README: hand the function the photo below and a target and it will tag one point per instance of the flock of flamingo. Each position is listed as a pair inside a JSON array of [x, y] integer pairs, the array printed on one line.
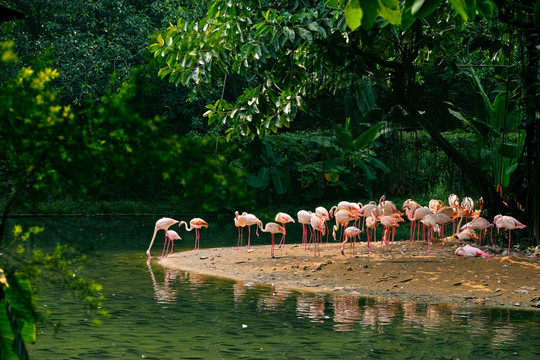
[[365, 218]]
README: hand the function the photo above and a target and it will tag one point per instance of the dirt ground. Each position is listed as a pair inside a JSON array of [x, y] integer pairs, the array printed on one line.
[[402, 270]]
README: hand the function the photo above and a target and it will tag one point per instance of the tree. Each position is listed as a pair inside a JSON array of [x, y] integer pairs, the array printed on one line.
[[287, 51]]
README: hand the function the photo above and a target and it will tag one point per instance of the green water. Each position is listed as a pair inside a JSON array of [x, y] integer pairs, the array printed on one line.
[[162, 314]]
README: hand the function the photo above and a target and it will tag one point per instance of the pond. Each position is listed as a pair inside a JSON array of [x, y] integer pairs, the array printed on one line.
[[161, 314]]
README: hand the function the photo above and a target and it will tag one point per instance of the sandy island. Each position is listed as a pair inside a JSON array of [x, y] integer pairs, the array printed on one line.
[[403, 271]]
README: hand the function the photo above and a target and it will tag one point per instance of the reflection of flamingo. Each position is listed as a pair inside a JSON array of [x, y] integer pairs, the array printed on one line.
[[171, 236], [304, 218], [350, 233], [161, 224], [319, 229], [195, 223], [240, 223], [273, 228], [252, 220], [283, 218], [509, 223]]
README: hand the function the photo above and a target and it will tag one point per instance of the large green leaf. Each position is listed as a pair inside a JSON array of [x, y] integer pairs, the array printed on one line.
[[370, 9], [278, 179], [343, 137], [423, 8], [367, 136], [353, 14], [259, 181], [390, 10]]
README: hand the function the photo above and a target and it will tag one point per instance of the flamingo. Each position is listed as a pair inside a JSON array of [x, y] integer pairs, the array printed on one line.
[[465, 235], [350, 233], [323, 213], [429, 221], [171, 236], [240, 223], [418, 215], [451, 213], [304, 218], [410, 207], [343, 217], [162, 224], [387, 207], [365, 211], [345, 205], [481, 224], [195, 223], [435, 205], [388, 222], [442, 220], [319, 229], [273, 228], [453, 201], [469, 250], [283, 218], [252, 220], [371, 223], [509, 223]]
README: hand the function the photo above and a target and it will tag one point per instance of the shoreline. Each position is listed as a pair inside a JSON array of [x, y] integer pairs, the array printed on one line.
[[402, 271]]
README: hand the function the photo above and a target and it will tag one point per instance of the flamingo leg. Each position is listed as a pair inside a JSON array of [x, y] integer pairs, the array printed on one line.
[[509, 241], [272, 248], [282, 242], [249, 237], [165, 244]]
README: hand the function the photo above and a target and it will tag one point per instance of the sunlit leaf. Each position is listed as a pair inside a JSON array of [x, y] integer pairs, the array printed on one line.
[[353, 14]]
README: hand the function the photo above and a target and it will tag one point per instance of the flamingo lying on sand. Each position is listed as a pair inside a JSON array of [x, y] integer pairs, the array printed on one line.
[[195, 223], [161, 224]]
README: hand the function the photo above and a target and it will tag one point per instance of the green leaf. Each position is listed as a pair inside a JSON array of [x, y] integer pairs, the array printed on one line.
[[370, 9], [423, 8], [367, 137], [259, 181], [390, 10], [353, 14], [463, 9], [485, 8], [343, 137], [278, 179]]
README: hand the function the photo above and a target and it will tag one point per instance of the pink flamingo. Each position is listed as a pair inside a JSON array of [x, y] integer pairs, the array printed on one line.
[[429, 221], [171, 236], [365, 211], [509, 223], [195, 223], [161, 224], [319, 229], [304, 218], [252, 220], [273, 228], [350, 233], [283, 218], [371, 223], [345, 205], [323, 213], [389, 222], [240, 223], [469, 250], [481, 224], [343, 217]]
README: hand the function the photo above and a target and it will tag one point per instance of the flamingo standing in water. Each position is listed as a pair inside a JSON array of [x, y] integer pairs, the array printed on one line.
[[240, 223], [195, 223], [162, 224], [319, 229], [509, 223], [171, 236], [304, 218], [273, 228], [350, 233], [283, 218]]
